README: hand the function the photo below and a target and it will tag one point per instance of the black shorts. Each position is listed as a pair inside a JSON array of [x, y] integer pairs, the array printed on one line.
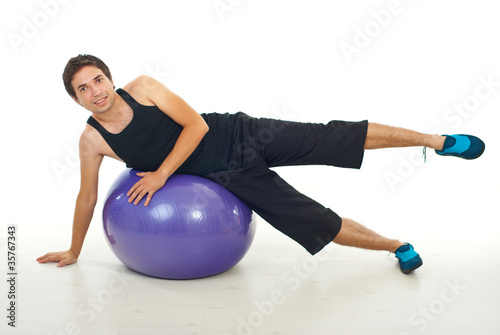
[[259, 144]]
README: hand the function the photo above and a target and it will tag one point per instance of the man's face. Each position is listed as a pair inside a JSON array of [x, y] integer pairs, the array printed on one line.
[[93, 89]]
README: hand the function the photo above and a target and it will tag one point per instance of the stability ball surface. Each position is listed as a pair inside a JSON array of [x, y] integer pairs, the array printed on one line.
[[192, 228]]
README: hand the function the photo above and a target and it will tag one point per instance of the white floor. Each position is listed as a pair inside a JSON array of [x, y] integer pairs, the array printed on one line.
[[278, 288]]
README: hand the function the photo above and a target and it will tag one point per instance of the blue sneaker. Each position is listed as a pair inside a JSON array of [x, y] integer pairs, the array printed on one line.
[[463, 146], [408, 258]]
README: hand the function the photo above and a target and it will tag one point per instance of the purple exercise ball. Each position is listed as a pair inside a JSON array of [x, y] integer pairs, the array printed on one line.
[[192, 228]]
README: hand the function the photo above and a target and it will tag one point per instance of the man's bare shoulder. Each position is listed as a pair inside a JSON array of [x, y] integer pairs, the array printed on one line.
[[90, 141], [142, 88]]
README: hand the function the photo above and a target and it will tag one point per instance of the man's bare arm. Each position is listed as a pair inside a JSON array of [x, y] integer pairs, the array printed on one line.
[[194, 129], [90, 162]]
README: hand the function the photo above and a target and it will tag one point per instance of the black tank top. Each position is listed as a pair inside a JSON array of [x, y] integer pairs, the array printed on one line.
[[151, 135]]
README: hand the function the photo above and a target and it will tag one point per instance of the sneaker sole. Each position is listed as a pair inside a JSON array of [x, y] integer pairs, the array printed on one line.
[[408, 271]]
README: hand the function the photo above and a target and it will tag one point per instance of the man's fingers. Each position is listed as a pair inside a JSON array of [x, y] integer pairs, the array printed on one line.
[[134, 192], [48, 258], [64, 262], [133, 188], [63, 258], [148, 199], [140, 189], [53, 258], [139, 197], [136, 195], [41, 258]]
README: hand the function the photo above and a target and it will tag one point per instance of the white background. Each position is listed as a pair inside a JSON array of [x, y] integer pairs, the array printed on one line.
[[273, 59]]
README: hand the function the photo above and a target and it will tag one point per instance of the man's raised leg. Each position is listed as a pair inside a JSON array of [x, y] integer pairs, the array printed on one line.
[[382, 136], [464, 146]]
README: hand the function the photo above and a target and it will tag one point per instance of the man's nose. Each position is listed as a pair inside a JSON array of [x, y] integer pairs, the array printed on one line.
[[96, 91]]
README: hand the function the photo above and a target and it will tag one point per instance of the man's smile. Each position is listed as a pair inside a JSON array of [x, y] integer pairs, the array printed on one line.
[[101, 101]]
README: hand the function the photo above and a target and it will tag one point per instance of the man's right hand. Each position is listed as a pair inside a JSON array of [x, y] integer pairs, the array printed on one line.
[[63, 258]]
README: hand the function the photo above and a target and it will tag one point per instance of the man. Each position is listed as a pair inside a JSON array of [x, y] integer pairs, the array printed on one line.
[[153, 130]]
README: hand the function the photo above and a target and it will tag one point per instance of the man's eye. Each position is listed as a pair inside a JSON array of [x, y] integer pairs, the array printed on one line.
[[99, 80], [83, 89]]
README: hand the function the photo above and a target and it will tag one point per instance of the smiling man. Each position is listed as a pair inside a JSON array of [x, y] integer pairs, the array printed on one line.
[[151, 129]]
